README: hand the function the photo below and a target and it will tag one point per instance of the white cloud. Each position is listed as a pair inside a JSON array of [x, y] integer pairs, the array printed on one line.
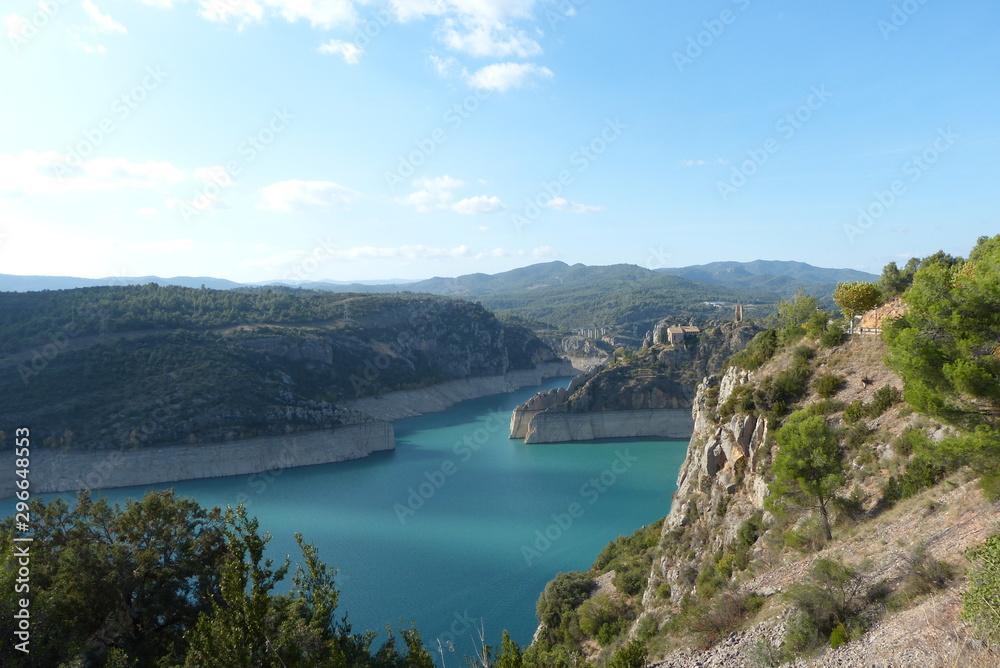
[[321, 14], [504, 76], [81, 37], [43, 172], [436, 194], [446, 67], [298, 195], [102, 22], [561, 204], [487, 41], [478, 205], [349, 51], [433, 193]]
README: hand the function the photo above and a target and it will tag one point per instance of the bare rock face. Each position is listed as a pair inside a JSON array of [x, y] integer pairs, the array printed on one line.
[[894, 309], [721, 469]]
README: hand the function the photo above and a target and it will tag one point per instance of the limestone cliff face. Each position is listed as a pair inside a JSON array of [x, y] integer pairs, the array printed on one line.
[[722, 470], [68, 471], [648, 393]]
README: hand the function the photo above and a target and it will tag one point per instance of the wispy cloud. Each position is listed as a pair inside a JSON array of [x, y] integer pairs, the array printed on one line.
[[298, 195], [349, 51], [561, 204], [502, 77]]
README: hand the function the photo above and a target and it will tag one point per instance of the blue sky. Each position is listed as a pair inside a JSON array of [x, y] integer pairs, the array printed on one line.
[[365, 139]]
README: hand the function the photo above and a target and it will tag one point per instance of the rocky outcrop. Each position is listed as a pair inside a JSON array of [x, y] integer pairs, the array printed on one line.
[[67, 471], [440, 397], [889, 311], [560, 427], [542, 401], [722, 470]]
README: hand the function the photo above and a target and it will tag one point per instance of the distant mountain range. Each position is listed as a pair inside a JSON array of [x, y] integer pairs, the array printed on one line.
[[556, 293], [766, 270]]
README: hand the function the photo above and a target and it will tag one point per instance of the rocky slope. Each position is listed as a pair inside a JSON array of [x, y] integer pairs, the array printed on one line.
[[190, 366], [723, 489], [646, 393]]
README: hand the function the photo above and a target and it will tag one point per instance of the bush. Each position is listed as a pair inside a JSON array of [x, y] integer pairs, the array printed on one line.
[[603, 618], [854, 412], [981, 600], [910, 441], [632, 581], [760, 349], [828, 385], [839, 636], [802, 354], [833, 336], [885, 397], [723, 615], [558, 602], [632, 655], [832, 595], [920, 474], [924, 575]]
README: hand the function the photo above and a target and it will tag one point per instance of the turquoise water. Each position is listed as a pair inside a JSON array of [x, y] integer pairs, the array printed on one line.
[[459, 525]]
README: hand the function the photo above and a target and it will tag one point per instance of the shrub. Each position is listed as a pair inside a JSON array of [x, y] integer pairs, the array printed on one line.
[[839, 636], [981, 600], [632, 655], [920, 474], [760, 349], [885, 397], [559, 599], [802, 354], [909, 441], [854, 412], [833, 336], [858, 435], [832, 595], [632, 581], [924, 575], [828, 385], [663, 591], [724, 614], [791, 334], [602, 618]]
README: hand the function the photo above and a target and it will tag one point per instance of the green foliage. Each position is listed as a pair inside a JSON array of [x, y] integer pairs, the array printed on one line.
[[557, 605], [713, 619], [833, 336], [857, 297], [831, 596], [924, 575], [884, 398], [798, 310], [945, 348], [910, 441], [921, 473], [164, 582], [895, 281], [633, 580], [602, 618], [760, 349], [981, 600], [828, 385], [632, 655], [809, 463], [839, 636]]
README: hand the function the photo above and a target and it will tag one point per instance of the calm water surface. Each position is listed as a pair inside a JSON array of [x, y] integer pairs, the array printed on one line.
[[459, 524]]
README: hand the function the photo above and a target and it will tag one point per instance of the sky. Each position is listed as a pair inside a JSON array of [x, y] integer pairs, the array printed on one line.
[[257, 140]]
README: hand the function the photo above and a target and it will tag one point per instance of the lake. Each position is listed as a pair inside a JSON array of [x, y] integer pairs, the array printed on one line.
[[459, 526]]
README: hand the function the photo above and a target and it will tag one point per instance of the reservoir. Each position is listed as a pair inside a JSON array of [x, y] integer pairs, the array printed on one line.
[[459, 526]]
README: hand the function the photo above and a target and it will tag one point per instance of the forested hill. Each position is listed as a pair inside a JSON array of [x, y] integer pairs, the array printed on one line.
[[142, 365]]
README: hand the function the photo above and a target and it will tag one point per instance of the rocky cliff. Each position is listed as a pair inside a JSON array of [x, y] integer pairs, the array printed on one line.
[[65, 471], [647, 393]]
